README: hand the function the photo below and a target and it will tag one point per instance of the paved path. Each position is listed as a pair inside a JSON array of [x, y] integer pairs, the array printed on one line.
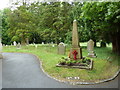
[[22, 71]]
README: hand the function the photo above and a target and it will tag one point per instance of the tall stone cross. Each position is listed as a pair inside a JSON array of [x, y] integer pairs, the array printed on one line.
[[75, 52]]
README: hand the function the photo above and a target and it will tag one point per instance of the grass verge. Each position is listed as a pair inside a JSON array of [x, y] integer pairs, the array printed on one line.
[[105, 65]]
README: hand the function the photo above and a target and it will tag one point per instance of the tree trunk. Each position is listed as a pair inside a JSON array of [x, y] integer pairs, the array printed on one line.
[[27, 41], [116, 42], [23, 41], [95, 43], [57, 41]]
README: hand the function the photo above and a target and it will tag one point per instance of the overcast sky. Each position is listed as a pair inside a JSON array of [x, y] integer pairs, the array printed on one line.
[[5, 3]]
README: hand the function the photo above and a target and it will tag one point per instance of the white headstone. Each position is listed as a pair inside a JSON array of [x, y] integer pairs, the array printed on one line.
[[36, 46], [14, 43], [53, 45], [42, 43]]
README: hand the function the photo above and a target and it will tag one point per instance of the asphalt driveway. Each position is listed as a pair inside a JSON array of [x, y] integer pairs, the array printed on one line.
[[21, 70]]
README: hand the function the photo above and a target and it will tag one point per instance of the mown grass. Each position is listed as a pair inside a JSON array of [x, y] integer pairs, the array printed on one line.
[[105, 65]]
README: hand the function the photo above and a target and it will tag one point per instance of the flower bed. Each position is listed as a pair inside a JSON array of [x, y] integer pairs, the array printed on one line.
[[84, 63]]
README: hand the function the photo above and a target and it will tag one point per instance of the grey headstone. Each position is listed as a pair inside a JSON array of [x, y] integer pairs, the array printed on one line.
[[3, 45], [90, 48], [61, 48], [18, 46], [51, 42]]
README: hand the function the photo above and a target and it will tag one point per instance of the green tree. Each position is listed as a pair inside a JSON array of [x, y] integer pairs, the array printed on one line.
[[55, 21], [20, 23], [105, 20], [5, 38]]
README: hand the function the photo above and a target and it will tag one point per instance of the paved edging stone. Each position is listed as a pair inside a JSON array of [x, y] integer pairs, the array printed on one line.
[[101, 81]]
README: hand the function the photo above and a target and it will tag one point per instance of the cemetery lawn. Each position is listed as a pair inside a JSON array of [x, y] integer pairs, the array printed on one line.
[[105, 65]]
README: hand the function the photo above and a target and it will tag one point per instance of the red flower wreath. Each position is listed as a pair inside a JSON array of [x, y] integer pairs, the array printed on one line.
[[75, 54]]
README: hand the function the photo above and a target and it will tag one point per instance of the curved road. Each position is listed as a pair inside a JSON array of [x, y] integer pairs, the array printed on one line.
[[23, 71]]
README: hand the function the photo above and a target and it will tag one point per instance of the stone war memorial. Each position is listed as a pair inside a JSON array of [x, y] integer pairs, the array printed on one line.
[[75, 59], [75, 52]]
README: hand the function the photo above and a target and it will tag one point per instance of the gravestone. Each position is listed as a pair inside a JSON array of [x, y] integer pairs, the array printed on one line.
[[3, 45], [14, 43], [27, 41], [51, 42], [90, 48], [1, 49], [61, 48], [33, 43], [36, 46], [42, 43], [75, 43], [18, 46], [53, 45]]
